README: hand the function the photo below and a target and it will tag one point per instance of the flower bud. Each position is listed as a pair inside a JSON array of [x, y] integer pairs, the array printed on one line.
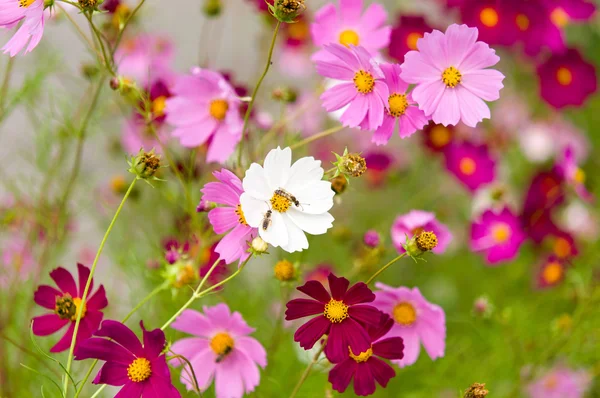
[[89, 5], [339, 184], [89, 71], [476, 390], [212, 8], [285, 94], [258, 245], [371, 238], [287, 10], [421, 243], [350, 164], [284, 271], [181, 273], [172, 256], [482, 307], [145, 164]]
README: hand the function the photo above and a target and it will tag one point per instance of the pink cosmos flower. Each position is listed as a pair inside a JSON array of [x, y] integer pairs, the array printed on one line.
[[573, 175], [472, 165], [416, 321], [561, 382], [449, 71], [31, 31], [416, 221], [363, 86], [346, 26], [401, 110], [205, 108], [18, 261], [498, 235], [229, 219], [221, 350], [405, 33], [145, 58]]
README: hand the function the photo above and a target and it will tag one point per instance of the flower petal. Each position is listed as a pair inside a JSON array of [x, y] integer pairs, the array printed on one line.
[[113, 374], [46, 296], [309, 333], [381, 371], [338, 96], [104, 350], [299, 308], [64, 280], [364, 382], [347, 333], [314, 224], [359, 293], [251, 347], [390, 348], [154, 342], [315, 290], [45, 325], [341, 375], [338, 286], [121, 334], [366, 314], [98, 301]]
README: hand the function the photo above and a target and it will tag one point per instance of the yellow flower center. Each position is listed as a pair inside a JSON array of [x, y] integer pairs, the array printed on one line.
[[426, 241], [501, 232], [240, 214], [489, 17], [562, 247], [451, 77], [336, 311], [522, 22], [364, 82], [579, 176], [185, 276], [404, 314], [25, 3], [411, 40], [66, 307], [158, 106], [440, 136], [118, 184], [362, 357], [552, 272], [559, 17], [348, 37], [218, 109], [222, 343], [564, 76], [284, 270], [280, 203], [467, 166], [139, 370], [398, 104], [299, 30]]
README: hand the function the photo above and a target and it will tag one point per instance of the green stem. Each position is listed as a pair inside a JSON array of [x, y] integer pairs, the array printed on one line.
[[5, 81], [317, 136], [255, 93], [307, 370], [89, 282], [376, 274]]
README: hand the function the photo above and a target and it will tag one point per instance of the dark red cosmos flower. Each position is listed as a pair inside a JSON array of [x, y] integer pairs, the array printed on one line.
[[141, 369], [494, 20], [365, 368], [64, 304], [405, 34], [341, 316]]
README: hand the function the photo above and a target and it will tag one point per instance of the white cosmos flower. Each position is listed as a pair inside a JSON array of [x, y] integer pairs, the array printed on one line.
[[288, 221]]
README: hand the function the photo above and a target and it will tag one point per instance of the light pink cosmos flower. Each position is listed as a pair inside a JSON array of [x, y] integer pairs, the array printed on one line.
[[567, 167], [416, 221], [449, 71], [145, 58], [204, 108], [32, 30], [498, 235], [401, 108], [347, 26], [560, 382], [18, 262], [416, 321], [363, 86], [136, 135], [229, 219], [221, 350]]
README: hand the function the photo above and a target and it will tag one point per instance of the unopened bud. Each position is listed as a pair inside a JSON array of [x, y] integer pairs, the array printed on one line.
[[482, 307], [145, 164], [371, 238], [476, 390], [287, 10], [258, 245], [89, 5], [339, 184], [285, 94], [421, 243], [284, 271], [212, 8], [350, 164]]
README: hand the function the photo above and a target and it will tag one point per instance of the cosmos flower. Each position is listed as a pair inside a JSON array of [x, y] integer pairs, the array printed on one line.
[[561, 382], [401, 110], [366, 367], [494, 20], [498, 235], [340, 315], [295, 195], [18, 262], [221, 350], [31, 31], [416, 221], [204, 108], [417, 321], [551, 272], [145, 58], [437, 137], [136, 135], [64, 303], [362, 87], [573, 175], [141, 369], [450, 72], [471, 164], [346, 26], [566, 79], [230, 218], [405, 33]]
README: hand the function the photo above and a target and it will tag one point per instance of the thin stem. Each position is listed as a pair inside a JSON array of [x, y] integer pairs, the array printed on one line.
[[107, 60], [5, 81], [120, 34], [376, 274], [317, 136], [80, 31], [194, 379], [89, 282], [307, 370], [255, 92]]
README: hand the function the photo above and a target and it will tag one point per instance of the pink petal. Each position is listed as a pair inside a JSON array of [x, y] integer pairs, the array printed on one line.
[[46, 296], [383, 134], [222, 146], [459, 43], [480, 56], [253, 349], [412, 345], [448, 109], [223, 219], [350, 11], [429, 95], [64, 280], [45, 325], [338, 96], [356, 112], [98, 301], [416, 69], [472, 109], [228, 379], [373, 17], [484, 83], [193, 322]]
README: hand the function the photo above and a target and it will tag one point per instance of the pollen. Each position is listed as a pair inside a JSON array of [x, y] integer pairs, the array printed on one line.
[[467, 166], [562, 247], [364, 82], [426, 241], [559, 17], [398, 104], [78, 303], [218, 109], [412, 39], [348, 37], [552, 273], [240, 214], [488, 17], [280, 203], [501, 232], [362, 357], [564, 76], [66, 307], [222, 343], [25, 3], [522, 22], [451, 77], [284, 271], [336, 311], [158, 106], [139, 370], [404, 313]]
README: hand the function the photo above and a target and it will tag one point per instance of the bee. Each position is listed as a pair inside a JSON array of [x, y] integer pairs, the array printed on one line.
[[288, 196], [266, 222], [223, 355]]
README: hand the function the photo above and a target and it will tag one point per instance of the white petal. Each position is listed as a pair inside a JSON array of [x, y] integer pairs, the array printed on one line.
[[254, 209], [296, 238], [316, 198], [255, 183], [277, 167], [276, 234], [303, 172], [315, 224]]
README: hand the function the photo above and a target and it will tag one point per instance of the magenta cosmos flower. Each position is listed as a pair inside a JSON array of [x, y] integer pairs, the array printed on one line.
[[221, 350], [449, 71], [561, 382], [31, 31], [346, 26], [340, 315], [551, 272], [401, 110], [366, 368], [405, 34], [416, 321], [471, 164], [495, 20], [230, 218], [573, 175], [362, 86], [141, 369], [65, 303], [205, 109], [566, 79], [414, 223], [498, 235]]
